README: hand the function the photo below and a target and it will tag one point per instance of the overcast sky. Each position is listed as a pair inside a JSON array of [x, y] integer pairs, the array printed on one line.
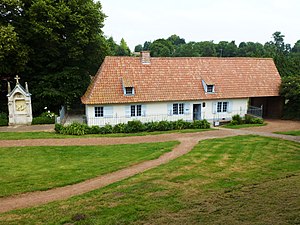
[[138, 21]]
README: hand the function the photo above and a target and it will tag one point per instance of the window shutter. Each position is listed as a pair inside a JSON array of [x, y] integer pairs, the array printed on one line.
[[127, 111], [144, 110], [170, 109], [214, 107], [187, 108], [108, 111], [229, 105]]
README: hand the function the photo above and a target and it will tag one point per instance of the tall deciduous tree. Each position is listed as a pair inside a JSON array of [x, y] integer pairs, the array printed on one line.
[[61, 41]]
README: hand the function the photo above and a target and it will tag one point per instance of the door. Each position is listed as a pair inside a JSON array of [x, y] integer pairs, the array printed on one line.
[[196, 111]]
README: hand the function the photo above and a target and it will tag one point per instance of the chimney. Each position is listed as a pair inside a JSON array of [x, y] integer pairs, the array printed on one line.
[[145, 57]]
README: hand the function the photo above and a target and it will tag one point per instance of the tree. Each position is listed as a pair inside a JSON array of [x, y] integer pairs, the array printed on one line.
[[176, 40], [251, 49], [206, 48], [146, 46], [161, 48], [138, 48], [290, 89], [62, 45], [123, 49], [226, 49], [296, 48]]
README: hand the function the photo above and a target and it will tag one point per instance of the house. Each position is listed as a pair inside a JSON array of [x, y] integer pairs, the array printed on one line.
[[188, 88]]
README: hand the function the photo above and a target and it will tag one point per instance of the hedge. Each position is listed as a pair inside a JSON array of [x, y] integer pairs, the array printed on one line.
[[3, 119], [237, 120], [130, 127]]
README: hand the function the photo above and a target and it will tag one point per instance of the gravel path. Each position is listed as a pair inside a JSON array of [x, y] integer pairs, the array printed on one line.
[[187, 142]]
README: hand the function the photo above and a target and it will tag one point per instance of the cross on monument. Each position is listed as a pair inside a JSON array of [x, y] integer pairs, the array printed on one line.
[[17, 78]]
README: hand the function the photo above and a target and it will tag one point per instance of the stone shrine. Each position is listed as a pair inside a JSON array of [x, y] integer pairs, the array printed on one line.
[[19, 104]]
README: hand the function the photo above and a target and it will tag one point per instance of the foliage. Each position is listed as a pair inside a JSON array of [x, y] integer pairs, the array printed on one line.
[[133, 126], [201, 124], [55, 45], [3, 119], [237, 120], [290, 90], [44, 118]]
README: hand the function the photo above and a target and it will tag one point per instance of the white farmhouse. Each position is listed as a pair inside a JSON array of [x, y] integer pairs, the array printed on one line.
[[153, 89]]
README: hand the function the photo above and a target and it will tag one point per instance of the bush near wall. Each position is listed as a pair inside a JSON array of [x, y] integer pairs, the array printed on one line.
[[44, 118], [131, 127], [3, 119], [237, 120]]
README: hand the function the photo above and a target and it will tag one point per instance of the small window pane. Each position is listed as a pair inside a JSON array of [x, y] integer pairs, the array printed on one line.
[[224, 106], [175, 109], [98, 111], [181, 108], [129, 90], [210, 88], [219, 107], [138, 110], [133, 110]]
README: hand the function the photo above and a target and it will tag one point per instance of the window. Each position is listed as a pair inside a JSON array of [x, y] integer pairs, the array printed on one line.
[[99, 111], [136, 110], [178, 108], [210, 88], [222, 107], [129, 91]]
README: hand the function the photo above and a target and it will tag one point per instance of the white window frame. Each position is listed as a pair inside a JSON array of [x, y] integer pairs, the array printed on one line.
[[179, 108], [222, 107], [99, 111], [135, 110], [129, 93]]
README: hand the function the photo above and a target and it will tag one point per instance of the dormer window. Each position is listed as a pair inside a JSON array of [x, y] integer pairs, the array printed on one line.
[[128, 86], [129, 91], [210, 88]]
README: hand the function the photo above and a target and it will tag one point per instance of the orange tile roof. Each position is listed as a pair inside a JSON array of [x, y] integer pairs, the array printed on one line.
[[180, 79]]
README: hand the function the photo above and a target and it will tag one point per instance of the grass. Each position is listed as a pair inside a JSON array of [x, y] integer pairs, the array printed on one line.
[[236, 180], [239, 126], [293, 133], [49, 135], [25, 169]]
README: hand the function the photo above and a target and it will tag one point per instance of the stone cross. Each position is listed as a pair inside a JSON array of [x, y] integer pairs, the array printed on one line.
[[17, 78]]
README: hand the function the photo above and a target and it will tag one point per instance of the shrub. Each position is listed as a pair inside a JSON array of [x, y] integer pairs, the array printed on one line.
[[164, 125], [119, 128], [107, 129], [134, 126], [76, 129], [181, 124], [131, 127], [94, 130], [236, 120], [151, 126], [253, 120], [42, 120], [200, 124], [59, 128], [3, 119]]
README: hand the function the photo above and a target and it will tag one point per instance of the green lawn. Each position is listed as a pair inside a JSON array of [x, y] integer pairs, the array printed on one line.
[[24, 169], [243, 125], [293, 132], [48, 135], [236, 180]]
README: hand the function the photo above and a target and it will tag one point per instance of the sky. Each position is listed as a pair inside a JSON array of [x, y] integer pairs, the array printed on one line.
[[138, 21]]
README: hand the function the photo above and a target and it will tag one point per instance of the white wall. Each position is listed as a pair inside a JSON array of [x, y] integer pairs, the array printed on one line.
[[159, 111]]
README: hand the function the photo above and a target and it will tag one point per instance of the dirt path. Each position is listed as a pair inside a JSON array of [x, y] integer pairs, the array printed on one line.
[[187, 142]]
